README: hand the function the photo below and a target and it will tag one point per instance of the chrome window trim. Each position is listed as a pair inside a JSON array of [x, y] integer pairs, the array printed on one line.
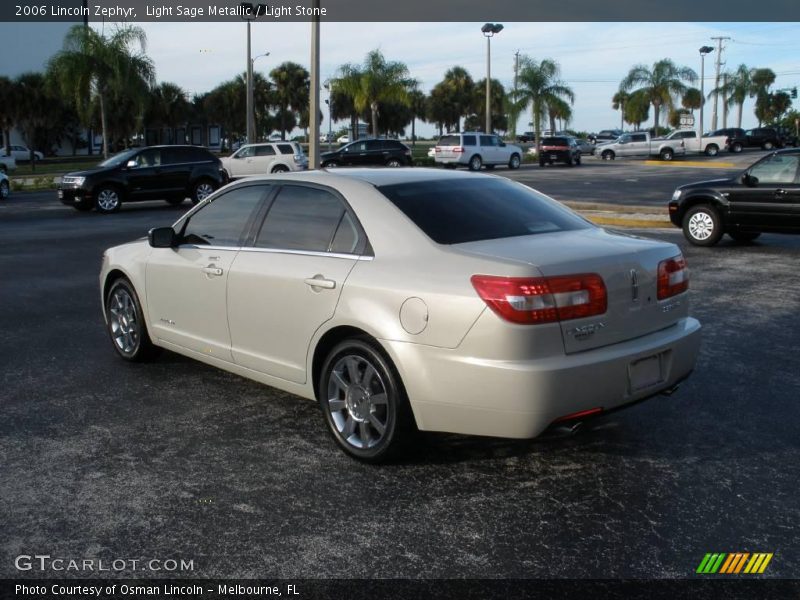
[[278, 251]]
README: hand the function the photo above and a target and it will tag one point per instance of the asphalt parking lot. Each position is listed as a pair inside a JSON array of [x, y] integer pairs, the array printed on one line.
[[176, 459]]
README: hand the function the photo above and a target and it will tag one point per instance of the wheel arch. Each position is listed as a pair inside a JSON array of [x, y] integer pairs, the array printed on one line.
[[709, 198], [328, 341]]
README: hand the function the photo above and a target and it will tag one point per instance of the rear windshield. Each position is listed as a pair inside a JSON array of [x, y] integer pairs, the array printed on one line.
[[453, 212], [450, 140], [555, 141]]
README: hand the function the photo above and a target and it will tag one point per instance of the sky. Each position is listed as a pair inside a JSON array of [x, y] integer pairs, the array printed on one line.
[[594, 57]]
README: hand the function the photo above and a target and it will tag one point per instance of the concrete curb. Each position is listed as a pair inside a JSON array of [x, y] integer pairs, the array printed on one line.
[[691, 163]]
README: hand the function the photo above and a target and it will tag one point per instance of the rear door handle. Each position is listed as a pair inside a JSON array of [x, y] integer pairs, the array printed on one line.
[[319, 281], [212, 271]]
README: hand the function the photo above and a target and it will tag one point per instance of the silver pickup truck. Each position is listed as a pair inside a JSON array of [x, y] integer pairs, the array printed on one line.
[[639, 144]]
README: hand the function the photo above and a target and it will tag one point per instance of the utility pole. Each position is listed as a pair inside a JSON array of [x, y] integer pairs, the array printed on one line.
[[724, 101], [719, 39], [514, 113]]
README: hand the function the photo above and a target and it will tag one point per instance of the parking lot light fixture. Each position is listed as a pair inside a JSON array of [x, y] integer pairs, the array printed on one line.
[[250, 12], [489, 30], [703, 51]]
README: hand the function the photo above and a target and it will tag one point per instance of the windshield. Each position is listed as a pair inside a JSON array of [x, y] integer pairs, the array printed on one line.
[[118, 159]]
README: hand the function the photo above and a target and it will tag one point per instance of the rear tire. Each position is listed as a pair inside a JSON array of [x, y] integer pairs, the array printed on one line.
[[736, 147], [702, 225], [332, 164], [202, 190], [578, 160], [475, 163], [768, 145], [363, 401], [280, 169], [743, 237]]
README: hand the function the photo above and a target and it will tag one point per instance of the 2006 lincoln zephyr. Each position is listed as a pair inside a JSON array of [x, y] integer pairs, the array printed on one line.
[[403, 298]]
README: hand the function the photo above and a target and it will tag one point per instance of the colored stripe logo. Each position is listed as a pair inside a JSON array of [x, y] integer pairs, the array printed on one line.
[[734, 563]]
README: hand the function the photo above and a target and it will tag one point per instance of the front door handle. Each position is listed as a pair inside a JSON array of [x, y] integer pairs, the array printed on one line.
[[780, 192], [212, 271], [318, 281]]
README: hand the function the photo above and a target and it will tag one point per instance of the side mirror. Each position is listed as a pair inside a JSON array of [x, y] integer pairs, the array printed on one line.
[[749, 180], [130, 164], [162, 237], [502, 144]]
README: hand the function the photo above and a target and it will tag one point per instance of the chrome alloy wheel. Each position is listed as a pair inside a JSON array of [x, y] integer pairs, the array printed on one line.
[[203, 191], [701, 226], [357, 402], [108, 199], [122, 321]]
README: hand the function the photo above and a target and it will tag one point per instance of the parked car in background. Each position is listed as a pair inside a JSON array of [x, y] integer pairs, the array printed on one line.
[[475, 149], [343, 139], [369, 153], [263, 158], [763, 198], [408, 298], [168, 173], [23, 154], [639, 144], [5, 186], [559, 149], [527, 137], [765, 138], [712, 144], [585, 146], [7, 163], [606, 135]]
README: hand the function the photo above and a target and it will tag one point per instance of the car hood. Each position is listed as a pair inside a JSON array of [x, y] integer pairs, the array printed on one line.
[[707, 183], [87, 172]]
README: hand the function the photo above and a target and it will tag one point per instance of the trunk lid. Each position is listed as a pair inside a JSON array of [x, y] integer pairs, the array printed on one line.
[[627, 264]]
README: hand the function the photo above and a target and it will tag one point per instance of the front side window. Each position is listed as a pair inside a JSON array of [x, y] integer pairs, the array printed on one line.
[[778, 168], [148, 158], [625, 139], [638, 137], [488, 140], [245, 152], [223, 221], [303, 218]]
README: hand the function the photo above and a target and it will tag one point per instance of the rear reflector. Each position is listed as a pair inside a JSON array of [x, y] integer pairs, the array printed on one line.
[[535, 300], [673, 277], [579, 415]]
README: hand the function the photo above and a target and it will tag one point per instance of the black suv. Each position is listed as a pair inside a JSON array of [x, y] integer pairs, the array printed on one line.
[[766, 138], [559, 149], [369, 153], [170, 173], [763, 198]]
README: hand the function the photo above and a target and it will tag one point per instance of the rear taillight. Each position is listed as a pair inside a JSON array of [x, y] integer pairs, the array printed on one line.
[[458, 149], [535, 300], [673, 277], [437, 149]]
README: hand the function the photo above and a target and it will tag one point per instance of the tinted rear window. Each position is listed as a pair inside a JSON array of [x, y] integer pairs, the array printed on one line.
[[470, 140], [555, 141], [450, 140], [453, 212]]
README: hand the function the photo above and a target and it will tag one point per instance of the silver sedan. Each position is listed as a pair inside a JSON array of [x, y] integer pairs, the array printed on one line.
[[408, 299]]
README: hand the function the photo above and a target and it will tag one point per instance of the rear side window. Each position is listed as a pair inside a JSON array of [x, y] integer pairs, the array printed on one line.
[[223, 221], [195, 155], [453, 212], [470, 140], [638, 137], [285, 149], [301, 218], [265, 151]]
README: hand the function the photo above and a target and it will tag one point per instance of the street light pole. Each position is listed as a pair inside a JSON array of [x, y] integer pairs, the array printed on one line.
[[489, 29], [250, 13], [329, 102], [703, 51], [313, 108]]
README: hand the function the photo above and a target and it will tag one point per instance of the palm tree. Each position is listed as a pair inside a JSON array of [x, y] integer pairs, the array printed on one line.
[[661, 84], [618, 102], [92, 66], [498, 105], [418, 105], [637, 110], [738, 87], [459, 91], [538, 84], [761, 79], [376, 81], [168, 107], [558, 109], [8, 100], [692, 99], [292, 88]]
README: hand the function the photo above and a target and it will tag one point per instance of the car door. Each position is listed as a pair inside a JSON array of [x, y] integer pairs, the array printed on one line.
[[144, 176], [489, 149], [625, 145], [769, 194], [284, 287], [176, 170], [263, 160], [187, 285], [239, 164]]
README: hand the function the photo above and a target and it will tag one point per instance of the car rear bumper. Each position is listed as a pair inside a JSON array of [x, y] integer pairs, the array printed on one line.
[[455, 393]]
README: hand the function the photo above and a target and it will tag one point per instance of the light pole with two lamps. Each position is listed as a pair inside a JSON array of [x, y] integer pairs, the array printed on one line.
[[489, 29], [251, 12], [703, 51]]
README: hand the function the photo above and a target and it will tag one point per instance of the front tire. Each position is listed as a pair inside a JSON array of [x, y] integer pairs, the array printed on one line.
[[4, 190], [702, 225], [393, 163], [607, 155], [667, 154], [712, 150], [330, 165], [363, 400], [768, 146], [126, 325], [108, 199], [475, 163], [280, 169], [736, 147], [202, 190], [514, 162]]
